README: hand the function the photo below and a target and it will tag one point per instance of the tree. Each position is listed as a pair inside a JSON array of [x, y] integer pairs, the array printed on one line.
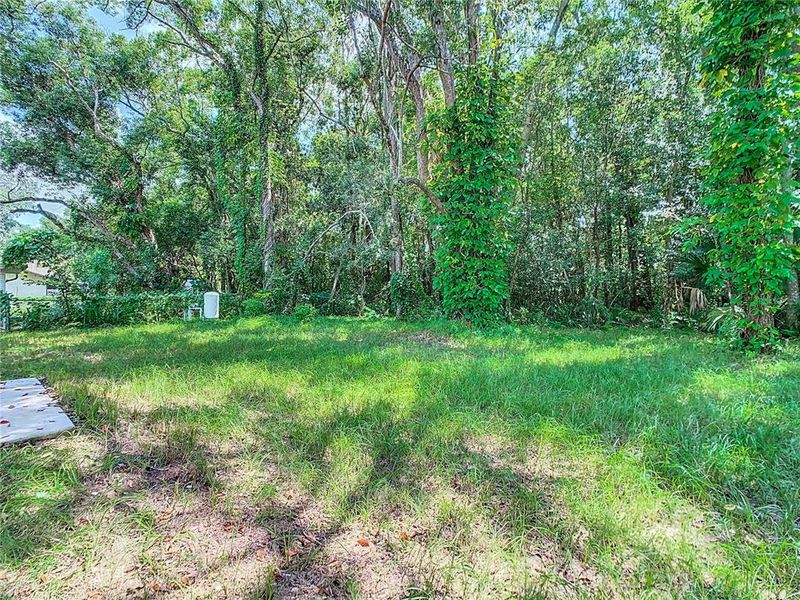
[[751, 73], [65, 82], [475, 181]]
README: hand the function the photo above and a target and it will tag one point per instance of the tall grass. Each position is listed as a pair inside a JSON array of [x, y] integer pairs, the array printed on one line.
[[524, 462]]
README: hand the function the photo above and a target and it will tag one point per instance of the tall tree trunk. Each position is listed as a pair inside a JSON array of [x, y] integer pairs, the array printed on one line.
[[634, 299], [268, 225], [446, 75], [381, 94], [430, 264], [260, 99], [792, 287], [395, 162], [608, 257], [596, 245], [792, 298], [471, 15]]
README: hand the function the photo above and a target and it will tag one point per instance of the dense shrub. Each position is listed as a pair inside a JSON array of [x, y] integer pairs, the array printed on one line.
[[45, 313], [253, 307], [407, 299], [5, 309], [304, 312]]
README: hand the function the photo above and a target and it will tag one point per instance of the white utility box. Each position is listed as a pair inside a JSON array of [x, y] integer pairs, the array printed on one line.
[[211, 305]]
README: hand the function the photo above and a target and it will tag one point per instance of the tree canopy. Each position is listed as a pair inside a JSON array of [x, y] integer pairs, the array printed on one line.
[[629, 160]]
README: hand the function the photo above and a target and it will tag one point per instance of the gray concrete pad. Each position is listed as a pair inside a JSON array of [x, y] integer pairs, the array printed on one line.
[[28, 412]]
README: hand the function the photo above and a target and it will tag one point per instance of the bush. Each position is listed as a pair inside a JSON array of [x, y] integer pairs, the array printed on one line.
[[35, 313], [590, 312], [93, 311], [5, 310], [253, 307], [280, 296], [407, 299], [370, 314], [319, 299], [525, 316], [629, 318], [304, 312], [729, 322], [230, 305]]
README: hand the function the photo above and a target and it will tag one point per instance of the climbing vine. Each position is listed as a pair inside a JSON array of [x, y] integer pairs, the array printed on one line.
[[751, 75], [475, 181]]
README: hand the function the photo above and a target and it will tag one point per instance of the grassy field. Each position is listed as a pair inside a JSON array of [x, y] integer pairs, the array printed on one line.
[[341, 458]]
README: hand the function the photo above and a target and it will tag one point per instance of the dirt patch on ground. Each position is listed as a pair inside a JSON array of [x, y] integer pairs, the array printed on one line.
[[428, 338]]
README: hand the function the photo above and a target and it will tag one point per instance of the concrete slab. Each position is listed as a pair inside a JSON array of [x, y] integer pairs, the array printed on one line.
[[28, 412]]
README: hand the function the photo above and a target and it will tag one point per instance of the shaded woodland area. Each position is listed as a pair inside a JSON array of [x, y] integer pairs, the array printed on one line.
[[552, 159]]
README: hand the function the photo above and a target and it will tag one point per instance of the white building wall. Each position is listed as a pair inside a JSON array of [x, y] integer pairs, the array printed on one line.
[[24, 288]]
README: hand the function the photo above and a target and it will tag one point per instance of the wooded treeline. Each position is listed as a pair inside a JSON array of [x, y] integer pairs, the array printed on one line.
[[484, 158]]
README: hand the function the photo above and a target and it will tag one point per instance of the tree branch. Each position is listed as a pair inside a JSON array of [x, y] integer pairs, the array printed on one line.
[[327, 117], [425, 190], [11, 200], [562, 10], [53, 218]]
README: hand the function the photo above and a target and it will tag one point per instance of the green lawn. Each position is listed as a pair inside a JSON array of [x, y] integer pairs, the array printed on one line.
[[368, 459]]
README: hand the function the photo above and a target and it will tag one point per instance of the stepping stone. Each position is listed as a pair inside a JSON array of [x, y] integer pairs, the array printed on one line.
[[28, 412]]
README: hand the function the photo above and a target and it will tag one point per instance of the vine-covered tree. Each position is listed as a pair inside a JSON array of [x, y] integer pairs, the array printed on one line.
[[752, 71]]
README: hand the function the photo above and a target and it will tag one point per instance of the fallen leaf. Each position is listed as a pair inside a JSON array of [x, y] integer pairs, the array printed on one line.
[[261, 554], [95, 596], [186, 580], [363, 542], [404, 536], [83, 521], [155, 586]]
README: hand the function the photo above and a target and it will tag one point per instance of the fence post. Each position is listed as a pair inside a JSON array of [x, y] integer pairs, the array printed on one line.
[[5, 311]]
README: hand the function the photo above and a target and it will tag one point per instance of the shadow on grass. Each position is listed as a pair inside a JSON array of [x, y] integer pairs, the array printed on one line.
[[652, 395], [143, 496]]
